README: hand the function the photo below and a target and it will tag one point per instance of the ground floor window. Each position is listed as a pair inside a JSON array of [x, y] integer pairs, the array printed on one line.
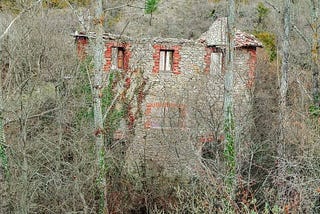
[[165, 115]]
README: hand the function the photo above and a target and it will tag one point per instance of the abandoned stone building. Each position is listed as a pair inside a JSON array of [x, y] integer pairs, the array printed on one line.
[[182, 111]]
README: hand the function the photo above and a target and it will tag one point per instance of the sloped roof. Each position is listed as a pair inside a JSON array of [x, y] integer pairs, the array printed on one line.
[[243, 39], [217, 36]]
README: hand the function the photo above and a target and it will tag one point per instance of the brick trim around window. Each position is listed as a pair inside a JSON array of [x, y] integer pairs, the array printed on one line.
[[175, 61], [108, 54], [207, 58], [82, 44]]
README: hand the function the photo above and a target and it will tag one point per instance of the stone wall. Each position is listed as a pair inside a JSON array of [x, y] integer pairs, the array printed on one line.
[[168, 149], [189, 99]]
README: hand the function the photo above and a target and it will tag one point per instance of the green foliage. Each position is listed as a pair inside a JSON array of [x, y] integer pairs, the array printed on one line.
[[314, 110], [8, 5], [262, 11], [107, 93], [3, 154], [276, 209], [266, 210], [115, 115], [269, 42], [84, 92], [151, 6], [4, 159], [100, 180]]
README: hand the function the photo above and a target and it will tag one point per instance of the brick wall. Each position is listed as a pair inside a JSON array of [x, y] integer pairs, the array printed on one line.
[[82, 43]]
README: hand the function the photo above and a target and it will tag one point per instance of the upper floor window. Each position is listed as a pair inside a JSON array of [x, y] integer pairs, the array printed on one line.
[[117, 58], [216, 63], [166, 60]]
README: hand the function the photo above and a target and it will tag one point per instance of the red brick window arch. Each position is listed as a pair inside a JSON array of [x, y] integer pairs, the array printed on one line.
[[166, 59]]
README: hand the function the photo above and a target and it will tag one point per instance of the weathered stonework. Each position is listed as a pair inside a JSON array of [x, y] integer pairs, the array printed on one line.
[[183, 109]]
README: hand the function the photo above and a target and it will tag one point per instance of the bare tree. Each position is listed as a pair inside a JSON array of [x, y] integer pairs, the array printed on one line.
[[3, 154], [230, 141], [97, 103], [283, 114], [315, 4]]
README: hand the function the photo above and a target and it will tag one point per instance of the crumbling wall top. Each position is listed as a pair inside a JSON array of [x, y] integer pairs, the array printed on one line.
[[217, 36]]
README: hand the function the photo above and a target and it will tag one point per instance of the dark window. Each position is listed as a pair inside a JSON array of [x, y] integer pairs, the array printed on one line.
[[121, 58]]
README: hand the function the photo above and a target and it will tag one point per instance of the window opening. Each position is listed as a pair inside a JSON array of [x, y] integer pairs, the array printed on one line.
[[117, 58], [166, 59], [216, 63], [121, 58], [166, 115]]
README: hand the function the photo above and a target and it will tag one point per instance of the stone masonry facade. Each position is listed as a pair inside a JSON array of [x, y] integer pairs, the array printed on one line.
[[183, 109]]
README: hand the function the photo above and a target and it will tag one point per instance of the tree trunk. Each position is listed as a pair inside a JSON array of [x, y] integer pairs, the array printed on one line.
[[98, 117], [3, 154], [315, 53], [24, 201], [283, 118], [4, 169], [230, 152]]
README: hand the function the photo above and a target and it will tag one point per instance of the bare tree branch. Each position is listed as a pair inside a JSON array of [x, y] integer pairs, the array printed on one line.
[[110, 107], [33, 116], [16, 18], [301, 35], [80, 19], [10, 25], [122, 6], [273, 6]]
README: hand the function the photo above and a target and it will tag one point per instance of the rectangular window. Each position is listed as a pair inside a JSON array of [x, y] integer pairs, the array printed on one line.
[[117, 58], [120, 58], [166, 58], [216, 64]]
